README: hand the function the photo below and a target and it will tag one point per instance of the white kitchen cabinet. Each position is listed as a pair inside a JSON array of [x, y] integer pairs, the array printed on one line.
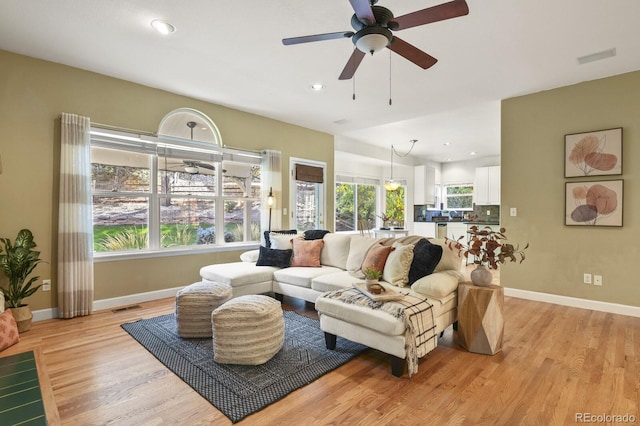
[[425, 229], [424, 184], [456, 230], [486, 189]]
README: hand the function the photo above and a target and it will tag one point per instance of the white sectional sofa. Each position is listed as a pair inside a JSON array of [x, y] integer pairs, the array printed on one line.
[[341, 258]]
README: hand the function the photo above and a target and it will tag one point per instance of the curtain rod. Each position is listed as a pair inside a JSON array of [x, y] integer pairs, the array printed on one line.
[[123, 129]]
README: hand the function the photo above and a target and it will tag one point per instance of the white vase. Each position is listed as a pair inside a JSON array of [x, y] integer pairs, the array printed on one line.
[[481, 276]]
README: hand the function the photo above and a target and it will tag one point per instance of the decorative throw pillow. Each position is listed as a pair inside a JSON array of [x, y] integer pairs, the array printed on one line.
[[274, 257], [282, 241], [376, 257], [315, 234], [396, 269], [425, 259], [9, 335], [438, 285], [267, 240], [306, 253]]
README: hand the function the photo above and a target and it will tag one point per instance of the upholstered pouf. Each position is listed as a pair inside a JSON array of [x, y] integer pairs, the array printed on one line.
[[247, 330], [194, 305]]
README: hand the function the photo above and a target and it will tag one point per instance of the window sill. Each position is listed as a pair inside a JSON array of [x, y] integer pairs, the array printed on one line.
[[148, 254]]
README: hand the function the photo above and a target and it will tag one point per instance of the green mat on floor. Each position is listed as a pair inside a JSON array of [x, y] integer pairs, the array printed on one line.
[[20, 396]]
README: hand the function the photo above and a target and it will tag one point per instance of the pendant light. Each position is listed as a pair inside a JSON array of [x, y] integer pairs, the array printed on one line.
[[391, 184]]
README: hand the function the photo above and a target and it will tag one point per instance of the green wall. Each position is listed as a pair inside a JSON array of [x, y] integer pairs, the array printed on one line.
[[33, 94], [533, 129]]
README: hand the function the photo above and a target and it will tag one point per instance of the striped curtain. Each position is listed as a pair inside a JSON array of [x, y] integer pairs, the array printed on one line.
[[271, 179], [75, 226]]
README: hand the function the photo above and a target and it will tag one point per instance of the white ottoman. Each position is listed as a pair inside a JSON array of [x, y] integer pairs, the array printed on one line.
[[194, 305], [247, 330]]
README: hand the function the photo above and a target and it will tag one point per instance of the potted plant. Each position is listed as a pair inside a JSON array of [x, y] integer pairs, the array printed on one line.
[[371, 278], [488, 250], [17, 261]]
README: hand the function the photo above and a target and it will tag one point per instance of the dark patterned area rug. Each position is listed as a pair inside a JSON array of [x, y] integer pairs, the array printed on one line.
[[240, 390]]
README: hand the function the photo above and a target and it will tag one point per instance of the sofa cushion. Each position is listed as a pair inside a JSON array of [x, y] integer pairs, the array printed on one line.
[[336, 250], [358, 247], [250, 256], [302, 276], [333, 281], [307, 253], [450, 259], [426, 257], [274, 257], [396, 268], [267, 235], [437, 285], [376, 257], [237, 274]]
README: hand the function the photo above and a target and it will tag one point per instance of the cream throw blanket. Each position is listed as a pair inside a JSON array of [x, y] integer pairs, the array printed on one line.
[[416, 313]]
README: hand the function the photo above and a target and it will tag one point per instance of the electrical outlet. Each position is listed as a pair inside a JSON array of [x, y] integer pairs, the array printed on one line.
[[46, 285], [587, 278], [513, 211], [488, 212], [284, 211], [597, 280]]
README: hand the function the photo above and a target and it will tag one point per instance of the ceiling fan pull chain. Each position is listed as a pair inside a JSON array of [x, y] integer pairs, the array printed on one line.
[[354, 87], [389, 77]]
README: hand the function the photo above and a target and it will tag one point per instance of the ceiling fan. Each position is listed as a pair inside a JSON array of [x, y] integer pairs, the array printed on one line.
[[193, 167], [373, 27]]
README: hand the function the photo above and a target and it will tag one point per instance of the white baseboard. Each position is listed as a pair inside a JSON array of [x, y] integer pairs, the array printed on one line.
[[595, 305], [98, 305], [614, 308]]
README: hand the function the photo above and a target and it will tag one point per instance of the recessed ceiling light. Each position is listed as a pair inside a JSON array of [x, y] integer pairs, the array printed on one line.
[[163, 27], [447, 143], [472, 153], [317, 87]]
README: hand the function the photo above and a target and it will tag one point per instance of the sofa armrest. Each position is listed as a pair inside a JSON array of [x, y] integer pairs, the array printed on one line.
[[250, 256], [438, 285]]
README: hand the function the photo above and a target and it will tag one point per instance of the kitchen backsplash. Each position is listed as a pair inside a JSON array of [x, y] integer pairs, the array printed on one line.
[[479, 213]]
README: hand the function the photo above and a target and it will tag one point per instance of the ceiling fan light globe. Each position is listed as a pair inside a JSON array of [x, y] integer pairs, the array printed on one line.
[[372, 39], [191, 170]]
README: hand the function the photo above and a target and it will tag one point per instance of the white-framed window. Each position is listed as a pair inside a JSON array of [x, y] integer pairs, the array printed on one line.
[[308, 194], [161, 194], [458, 196], [356, 203]]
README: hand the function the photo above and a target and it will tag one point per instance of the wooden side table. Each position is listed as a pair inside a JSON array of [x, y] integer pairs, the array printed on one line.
[[480, 318]]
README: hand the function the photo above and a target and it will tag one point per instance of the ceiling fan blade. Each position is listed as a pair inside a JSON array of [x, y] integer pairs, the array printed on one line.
[[316, 37], [352, 65], [363, 11], [412, 53], [453, 9]]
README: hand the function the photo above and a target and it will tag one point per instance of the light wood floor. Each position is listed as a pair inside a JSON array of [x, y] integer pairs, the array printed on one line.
[[556, 362]]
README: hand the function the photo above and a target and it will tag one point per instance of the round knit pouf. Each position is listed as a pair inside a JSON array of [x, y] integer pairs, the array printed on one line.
[[194, 305], [247, 330]]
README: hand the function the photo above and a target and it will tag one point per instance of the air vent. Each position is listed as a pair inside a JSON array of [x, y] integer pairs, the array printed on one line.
[[126, 308], [597, 56]]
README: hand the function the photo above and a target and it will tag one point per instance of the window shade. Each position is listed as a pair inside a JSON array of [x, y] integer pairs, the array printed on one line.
[[307, 173]]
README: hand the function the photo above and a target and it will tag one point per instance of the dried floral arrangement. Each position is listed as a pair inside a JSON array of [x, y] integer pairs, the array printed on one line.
[[483, 245]]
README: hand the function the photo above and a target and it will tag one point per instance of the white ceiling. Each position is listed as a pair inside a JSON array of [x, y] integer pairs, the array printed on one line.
[[230, 53]]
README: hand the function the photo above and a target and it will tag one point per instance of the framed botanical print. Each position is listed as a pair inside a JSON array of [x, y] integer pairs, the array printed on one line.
[[594, 203], [596, 153]]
